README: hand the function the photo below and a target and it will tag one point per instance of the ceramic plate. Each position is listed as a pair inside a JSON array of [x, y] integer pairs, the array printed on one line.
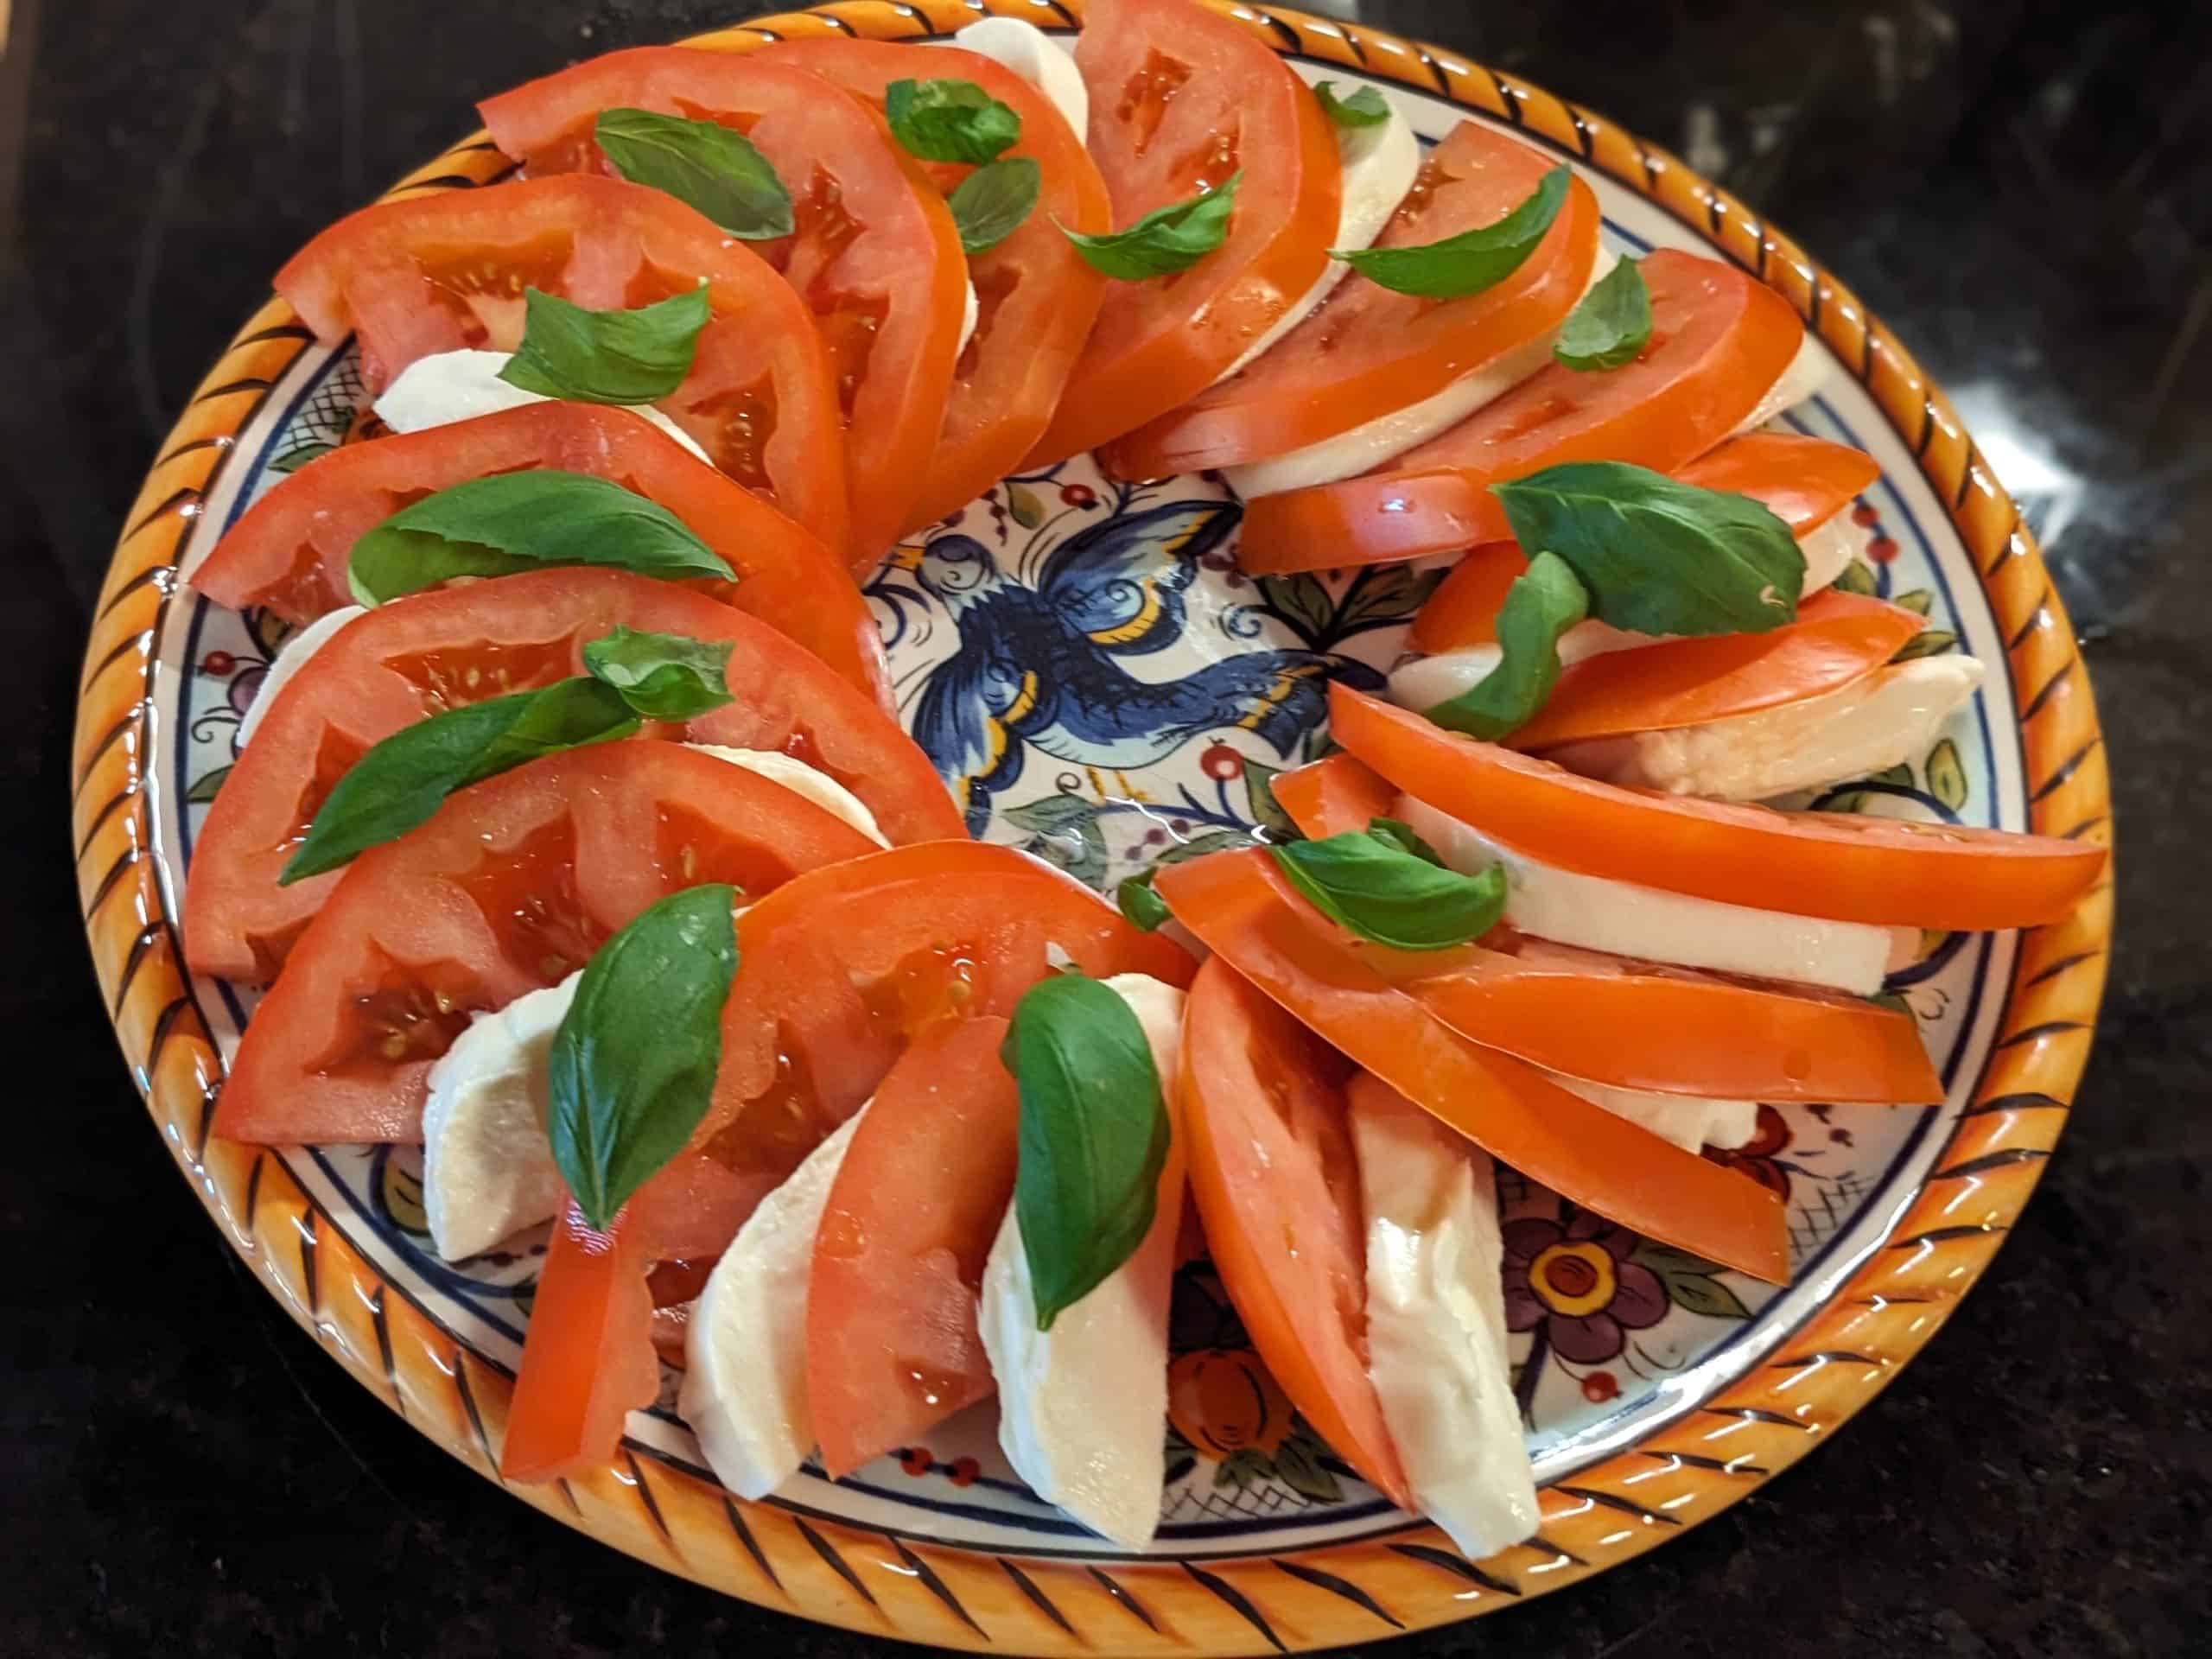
[[1657, 1391]]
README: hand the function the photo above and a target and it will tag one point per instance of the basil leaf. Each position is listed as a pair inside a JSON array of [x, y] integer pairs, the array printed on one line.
[[1167, 240], [1472, 261], [1659, 556], [1365, 108], [1543, 603], [990, 205], [632, 1069], [606, 357], [1093, 1136], [1610, 325], [703, 164], [1395, 898], [949, 120], [522, 521], [1400, 836], [1140, 905], [662, 675]]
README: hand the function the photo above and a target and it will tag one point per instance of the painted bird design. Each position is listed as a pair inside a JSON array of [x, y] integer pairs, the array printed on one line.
[[1041, 667]]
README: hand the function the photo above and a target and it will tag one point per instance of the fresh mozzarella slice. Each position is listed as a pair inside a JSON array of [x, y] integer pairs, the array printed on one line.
[[745, 1349], [1436, 1321], [1806, 374], [1033, 54], [1685, 1120], [487, 1170], [1365, 447], [448, 386], [1878, 722], [800, 778], [289, 660], [1828, 551], [1080, 1405], [1653, 926]]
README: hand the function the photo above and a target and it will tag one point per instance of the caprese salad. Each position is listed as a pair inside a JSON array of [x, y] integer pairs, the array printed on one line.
[[574, 836]]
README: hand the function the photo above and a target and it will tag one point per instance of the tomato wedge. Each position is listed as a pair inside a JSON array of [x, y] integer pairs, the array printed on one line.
[[1719, 340], [1511, 1109], [446, 272], [1036, 297], [511, 886], [892, 1347], [1367, 352], [1334, 796], [874, 253], [1277, 1187], [587, 1358], [429, 652], [1842, 868], [1181, 98]]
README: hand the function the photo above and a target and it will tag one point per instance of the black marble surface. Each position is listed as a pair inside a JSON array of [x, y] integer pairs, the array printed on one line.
[[2021, 189]]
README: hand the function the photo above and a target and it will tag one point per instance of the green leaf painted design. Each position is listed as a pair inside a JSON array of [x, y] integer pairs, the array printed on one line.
[[1300, 601], [1065, 830], [205, 786], [1917, 601], [1697, 1294], [1946, 777], [399, 1193], [1933, 642], [1259, 797], [1023, 504], [1298, 1465], [1857, 577], [293, 459], [1389, 593]]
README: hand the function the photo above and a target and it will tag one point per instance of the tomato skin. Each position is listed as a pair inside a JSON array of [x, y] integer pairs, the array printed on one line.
[[588, 1357], [1828, 865], [1720, 338], [1276, 1184], [892, 1347], [439, 273], [1336, 795], [288, 550]]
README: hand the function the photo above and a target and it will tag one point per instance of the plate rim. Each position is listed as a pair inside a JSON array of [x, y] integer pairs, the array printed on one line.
[[882, 1582]]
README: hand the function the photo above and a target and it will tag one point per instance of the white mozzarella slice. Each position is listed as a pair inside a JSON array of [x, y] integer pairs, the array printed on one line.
[[1436, 1335], [1804, 377], [1685, 1120], [800, 778], [744, 1390], [1038, 58], [1080, 1405], [289, 660], [1828, 549], [449, 386]]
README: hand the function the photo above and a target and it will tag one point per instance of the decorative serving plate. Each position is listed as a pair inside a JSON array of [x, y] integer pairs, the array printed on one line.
[[1657, 1389]]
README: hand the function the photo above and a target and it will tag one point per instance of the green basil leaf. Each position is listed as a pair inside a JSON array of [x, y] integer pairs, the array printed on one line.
[[1167, 240], [606, 357], [1659, 556], [1543, 603], [703, 164], [1140, 905], [402, 781], [524, 521], [1093, 1136], [990, 205], [1472, 261], [662, 675], [631, 1070], [949, 120], [1365, 108], [1395, 898], [1401, 838], [1610, 325]]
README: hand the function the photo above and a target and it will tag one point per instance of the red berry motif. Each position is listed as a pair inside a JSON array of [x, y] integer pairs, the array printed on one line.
[[1078, 495], [1599, 1387], [964, 1470], [1882, 549], [915, 1460], [1865, 517], [217, 662], [1221, 763]]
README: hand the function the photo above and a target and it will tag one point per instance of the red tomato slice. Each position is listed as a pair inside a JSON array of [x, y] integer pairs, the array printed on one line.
[[287, 552], [1367, 352], [1719, 340], [1843, 868], [1277, 1185], [892, 1347], [874, 254], [444, 272], [511, 886], [1233, 902], [428, 652], [1335, 796], [588, 1359], [1036, 296], [1181, 97]]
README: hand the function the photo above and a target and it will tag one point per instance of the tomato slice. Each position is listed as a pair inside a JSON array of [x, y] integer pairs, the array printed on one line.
[[511, 886], [288, 551], [874, 253], [1719, 340], [1843, 868], [1582, 1152], [1277, 1187], [445, 272], [892, 1347], [1334, 796], [1367, 352], [1036, 296], [1182, 97], [587, 1358], [429, 652]]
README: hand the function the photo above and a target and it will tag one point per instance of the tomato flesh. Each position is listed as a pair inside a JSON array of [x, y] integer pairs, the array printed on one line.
[[587, 1358]]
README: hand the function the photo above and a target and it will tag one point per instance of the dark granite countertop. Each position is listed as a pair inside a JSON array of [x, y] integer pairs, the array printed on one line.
[[2020, 190]]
